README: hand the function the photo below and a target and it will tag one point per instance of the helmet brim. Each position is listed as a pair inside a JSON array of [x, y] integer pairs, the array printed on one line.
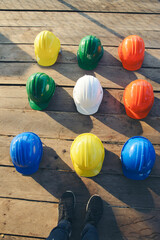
[[134, 115], [89, 111], [89, 65], [27, 170], [38, 107], [88, 173], [132, 67], [135, 176]]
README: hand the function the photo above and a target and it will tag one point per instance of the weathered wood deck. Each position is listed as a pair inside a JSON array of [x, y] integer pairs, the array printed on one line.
[[28, 205]]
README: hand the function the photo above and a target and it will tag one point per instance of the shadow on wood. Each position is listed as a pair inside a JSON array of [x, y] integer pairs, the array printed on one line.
[[85, 122], [119, 78], [131, 192], [110, 104], [56, 183], [92, 20], [122, 124], [16, 48]]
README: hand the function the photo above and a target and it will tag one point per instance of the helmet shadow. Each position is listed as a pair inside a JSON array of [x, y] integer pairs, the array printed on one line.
[[66, 116], [10, 64], [57, 175], [153, 118], [115, 117], [126, 192]]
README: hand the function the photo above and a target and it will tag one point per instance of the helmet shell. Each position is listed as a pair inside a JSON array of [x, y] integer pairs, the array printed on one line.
[[131, 52], [87, 154], [40, 89], [137, 157], [26, 152], [87, 95], [138, 99], [47, 47], [89, 52]]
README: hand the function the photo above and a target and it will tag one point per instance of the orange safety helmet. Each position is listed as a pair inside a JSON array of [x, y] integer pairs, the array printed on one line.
[[131, 52], [138, 99]]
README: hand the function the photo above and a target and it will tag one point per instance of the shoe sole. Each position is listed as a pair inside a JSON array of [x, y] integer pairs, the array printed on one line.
[[90, 200]]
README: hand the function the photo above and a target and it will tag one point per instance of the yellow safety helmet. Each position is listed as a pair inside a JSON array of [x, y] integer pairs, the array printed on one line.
[[47, 47], [87, 154]]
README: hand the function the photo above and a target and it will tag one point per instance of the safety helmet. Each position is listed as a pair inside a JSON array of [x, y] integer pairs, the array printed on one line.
[[47, 47], [138, 99], [40, 89], [87, 95], [26, 152], [131, 52], [137, 157], [89, 52], [87, 155]]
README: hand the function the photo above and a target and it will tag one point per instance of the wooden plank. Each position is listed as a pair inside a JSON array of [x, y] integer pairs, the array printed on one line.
[[105, 21], [60, 125], [27, 218], [25, 53], [67, 75], [15, 97], [48, 185], [56, 156], [37, 219], [87, 5], [109, 36]]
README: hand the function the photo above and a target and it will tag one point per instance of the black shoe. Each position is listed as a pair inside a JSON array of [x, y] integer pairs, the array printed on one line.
[[94, 210], [66, 206]]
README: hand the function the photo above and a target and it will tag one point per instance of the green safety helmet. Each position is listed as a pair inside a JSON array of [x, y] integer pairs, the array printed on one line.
[[89, 52], [40, 89]]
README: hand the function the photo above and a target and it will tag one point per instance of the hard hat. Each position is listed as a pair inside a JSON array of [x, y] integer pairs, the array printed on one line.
[[26, 152], [40, 89], [138, 99], [47, 47], [87, 154], [89, 52], [87, 95], [131, 52], [137, 157]]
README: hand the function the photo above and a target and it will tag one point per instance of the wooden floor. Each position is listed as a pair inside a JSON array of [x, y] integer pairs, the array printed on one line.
[[28, 205]]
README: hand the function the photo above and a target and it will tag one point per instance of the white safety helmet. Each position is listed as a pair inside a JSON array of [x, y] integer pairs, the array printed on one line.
[[87, 95]]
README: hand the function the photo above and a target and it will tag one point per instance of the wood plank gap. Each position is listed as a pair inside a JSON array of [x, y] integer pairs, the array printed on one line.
[[71, 140], [24, 236], [77, 11], [79, 202], [67, 44], [62, 86], [28, 200], [71, 171]]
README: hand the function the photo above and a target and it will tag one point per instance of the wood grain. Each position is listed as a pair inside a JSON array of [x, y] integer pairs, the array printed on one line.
[[74, 5], [105, 21], [67, 75], [109, 36], [48, 185], [38, 219], [107, 127]]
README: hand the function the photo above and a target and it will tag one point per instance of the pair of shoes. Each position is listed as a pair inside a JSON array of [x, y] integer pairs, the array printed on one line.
[[94, 208]]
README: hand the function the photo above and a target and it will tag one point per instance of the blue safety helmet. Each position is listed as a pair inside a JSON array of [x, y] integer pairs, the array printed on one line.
[[26, 152], [137, 157]]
